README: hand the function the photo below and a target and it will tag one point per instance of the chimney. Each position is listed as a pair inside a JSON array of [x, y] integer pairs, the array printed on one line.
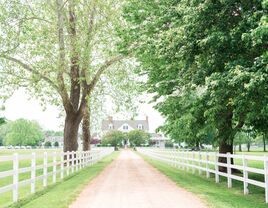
[[147, 119], [110, 119]]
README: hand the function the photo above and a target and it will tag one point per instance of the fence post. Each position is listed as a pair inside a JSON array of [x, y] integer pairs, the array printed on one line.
[[207, 164], [83, 156], [217, 179], [86, 158], [33, 169], [62, 166], [183, 160], [245, 175], [72, 161], [45, 170], [54, 166], [199, 162], [68, 163], [80, 160], [76, 160], [266, 177], [90, 158], [193, 162], [179, 159], [15, 177], [187, 160], [229, 169]]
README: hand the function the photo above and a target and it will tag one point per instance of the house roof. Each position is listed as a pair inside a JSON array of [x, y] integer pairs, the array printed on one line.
[[54, 139], [155, 136], [118, 123]]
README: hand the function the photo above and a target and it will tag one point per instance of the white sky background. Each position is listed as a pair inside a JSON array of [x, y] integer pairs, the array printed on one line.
[[21, 106]]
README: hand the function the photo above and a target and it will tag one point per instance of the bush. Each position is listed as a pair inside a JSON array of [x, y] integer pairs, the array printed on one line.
[[113, 138], [56, 144], [23, 132], [169, 144], [47, 144], [138, 137]]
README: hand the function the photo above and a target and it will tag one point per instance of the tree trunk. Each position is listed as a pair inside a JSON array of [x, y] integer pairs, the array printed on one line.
[[240, 147], [248, 146], [223, 149], [71, 127], [86, 130], [226, 138]]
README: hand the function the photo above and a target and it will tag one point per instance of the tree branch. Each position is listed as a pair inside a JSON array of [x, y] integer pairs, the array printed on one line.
[[74, 68], [30, 69], [63, 92], [98, 74]]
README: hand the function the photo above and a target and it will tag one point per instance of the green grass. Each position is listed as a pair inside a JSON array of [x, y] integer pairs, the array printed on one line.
[[24, 191], [63, 194], [215, 195]]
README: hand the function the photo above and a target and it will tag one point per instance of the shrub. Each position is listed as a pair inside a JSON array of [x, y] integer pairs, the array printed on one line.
[[56, 144], [138, 137], [113, 138], [47, 144]]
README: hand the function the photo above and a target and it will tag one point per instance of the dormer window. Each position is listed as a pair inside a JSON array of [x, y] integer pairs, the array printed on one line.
[[111, 126], [140, 127], [125, 127]]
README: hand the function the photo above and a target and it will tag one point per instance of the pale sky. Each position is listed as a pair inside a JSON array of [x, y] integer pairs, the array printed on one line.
[[21, 106]]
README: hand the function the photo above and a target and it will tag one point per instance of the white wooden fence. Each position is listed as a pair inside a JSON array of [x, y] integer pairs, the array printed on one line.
[[60, 164], [207, 162]]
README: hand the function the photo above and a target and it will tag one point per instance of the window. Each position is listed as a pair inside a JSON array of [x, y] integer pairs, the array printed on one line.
[[125, 127], [140, 127], [111, 126]]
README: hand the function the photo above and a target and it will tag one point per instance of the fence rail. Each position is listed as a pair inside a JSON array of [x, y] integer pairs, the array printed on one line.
[[208, 163], [54, 164]]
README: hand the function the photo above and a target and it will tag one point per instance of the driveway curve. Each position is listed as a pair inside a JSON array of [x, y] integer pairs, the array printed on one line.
[[130, 182]]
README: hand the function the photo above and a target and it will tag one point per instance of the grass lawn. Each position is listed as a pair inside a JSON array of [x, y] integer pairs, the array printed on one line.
[[24, 191], [59, 194], [215, 195]]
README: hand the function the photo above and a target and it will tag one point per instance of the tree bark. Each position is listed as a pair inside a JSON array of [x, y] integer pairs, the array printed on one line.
[[248, 146], [223, 149], [226, 138], [71, 127], [86, 129], [240, 147]]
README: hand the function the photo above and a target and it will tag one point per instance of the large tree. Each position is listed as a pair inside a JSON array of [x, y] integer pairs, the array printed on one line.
[[23, 132], [117, 94], [58, 50], [216, 48], [138, 137]]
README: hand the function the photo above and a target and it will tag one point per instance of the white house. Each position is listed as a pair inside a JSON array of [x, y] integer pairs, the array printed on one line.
[[129, 125], [158, 140], [124, 125]]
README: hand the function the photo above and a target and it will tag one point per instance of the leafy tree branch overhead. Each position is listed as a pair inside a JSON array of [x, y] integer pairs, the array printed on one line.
[[215, 50], [59, 50]]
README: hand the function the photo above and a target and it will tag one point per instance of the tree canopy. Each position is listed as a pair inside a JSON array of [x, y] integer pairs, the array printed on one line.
[[59, 51], [206, 63], [22, 132], [113, 138], [138, 137]]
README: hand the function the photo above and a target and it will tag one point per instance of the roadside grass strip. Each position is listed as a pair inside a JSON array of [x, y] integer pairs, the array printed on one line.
[[215, 195], [60, 194]]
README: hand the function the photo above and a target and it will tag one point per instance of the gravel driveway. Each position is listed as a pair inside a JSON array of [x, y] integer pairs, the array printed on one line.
[[130, 182]]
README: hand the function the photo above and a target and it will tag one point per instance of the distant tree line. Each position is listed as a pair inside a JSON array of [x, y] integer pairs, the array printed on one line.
[[23, 132]]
